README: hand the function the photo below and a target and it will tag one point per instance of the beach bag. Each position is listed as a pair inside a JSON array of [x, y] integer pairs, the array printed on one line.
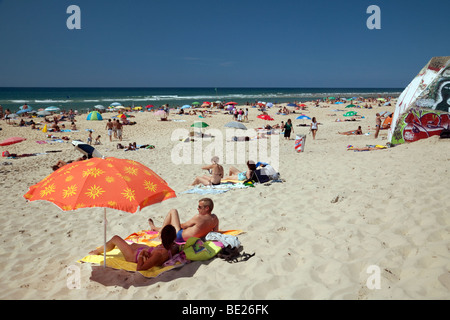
[[261, 177], [225, 239], [300, 143], [197, 250], [269, 171], [258, 176]]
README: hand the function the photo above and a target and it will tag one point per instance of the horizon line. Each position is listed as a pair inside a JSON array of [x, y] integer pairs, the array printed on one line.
[[192, 87]]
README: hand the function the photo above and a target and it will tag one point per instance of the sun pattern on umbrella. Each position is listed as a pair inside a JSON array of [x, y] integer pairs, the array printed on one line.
[[48, 190], [70, 191], [131, 170], [148, 185], [94, 191], [129, 194], [109, 179], [95, 172], [116, 183]]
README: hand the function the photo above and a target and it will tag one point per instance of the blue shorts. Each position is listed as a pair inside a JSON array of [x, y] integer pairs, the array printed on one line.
[[180, 236]]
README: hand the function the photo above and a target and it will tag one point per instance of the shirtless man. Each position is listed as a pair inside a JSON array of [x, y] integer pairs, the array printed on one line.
[[115, 122], [377, 125], [216, 174], [198, 226], [119, 130], [109, 127]]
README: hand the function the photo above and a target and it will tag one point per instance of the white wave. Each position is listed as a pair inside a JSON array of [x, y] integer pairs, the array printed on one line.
[[52, 101], [168, 96], [19, 101], [250, 96], [126, 99]]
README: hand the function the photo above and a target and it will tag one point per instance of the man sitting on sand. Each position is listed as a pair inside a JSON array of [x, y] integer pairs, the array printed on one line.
[[216, 171], [198, 226]]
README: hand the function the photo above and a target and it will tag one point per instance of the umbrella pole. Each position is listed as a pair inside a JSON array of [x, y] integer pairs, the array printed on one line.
[[104, 238]]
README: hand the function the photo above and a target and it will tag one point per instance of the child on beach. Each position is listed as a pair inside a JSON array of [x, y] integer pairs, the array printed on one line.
[[97, 140], [89, 139]]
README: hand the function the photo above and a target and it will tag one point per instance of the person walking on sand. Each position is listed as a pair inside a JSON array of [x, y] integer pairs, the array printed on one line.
[[110, 127], [198, 226], [288, 128], [313, 127], [119, 130], [377, 125], [114, 126]]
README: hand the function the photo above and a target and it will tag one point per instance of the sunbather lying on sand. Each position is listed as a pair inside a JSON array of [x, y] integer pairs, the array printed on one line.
[[353, 132], [62, 163], [146, 257], [367, 148]]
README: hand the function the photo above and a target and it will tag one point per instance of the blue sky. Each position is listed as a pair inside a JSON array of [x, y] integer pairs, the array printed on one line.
[[212, 43]]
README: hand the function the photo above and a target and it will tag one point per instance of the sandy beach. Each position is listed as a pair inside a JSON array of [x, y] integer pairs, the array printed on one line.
[[315, 235]]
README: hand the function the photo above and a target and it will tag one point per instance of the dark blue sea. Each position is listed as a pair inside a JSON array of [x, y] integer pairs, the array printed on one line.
[[84, 99]]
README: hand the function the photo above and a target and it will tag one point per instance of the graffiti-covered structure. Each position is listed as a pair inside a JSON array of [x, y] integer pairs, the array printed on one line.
[[423, 108]]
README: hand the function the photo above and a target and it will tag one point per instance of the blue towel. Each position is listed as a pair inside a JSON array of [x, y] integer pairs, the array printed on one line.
[[198, 190], [221, 188]]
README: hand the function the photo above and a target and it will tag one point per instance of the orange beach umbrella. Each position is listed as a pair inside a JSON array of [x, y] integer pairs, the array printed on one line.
[[120, 184]]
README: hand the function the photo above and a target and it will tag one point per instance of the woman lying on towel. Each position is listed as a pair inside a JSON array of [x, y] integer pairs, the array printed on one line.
[[146, 257], [356, 132]]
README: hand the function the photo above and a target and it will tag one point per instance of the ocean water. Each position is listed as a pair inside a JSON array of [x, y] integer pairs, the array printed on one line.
[[84, 99]]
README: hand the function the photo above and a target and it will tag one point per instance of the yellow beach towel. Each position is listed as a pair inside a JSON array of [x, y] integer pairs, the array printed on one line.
[[115, 259], [231, 180], [148, 236]]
